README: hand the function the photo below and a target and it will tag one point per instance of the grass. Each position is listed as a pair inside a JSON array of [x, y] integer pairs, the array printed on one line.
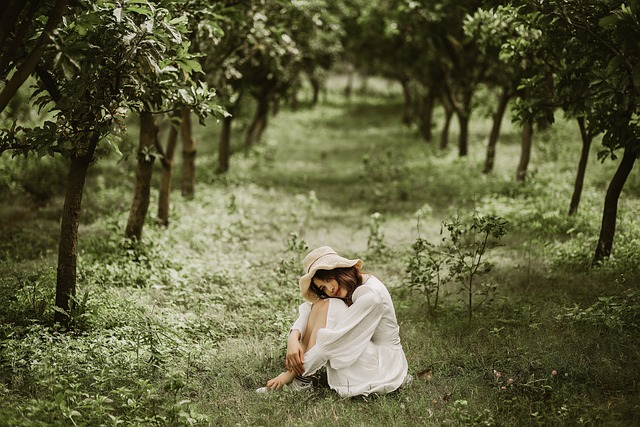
[[181, 329]]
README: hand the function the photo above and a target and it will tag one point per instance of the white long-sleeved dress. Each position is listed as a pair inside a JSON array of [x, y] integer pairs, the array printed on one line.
[[360, 345]]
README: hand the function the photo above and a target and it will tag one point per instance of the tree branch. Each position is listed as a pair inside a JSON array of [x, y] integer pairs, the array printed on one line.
[[49, 83], [30, 63]]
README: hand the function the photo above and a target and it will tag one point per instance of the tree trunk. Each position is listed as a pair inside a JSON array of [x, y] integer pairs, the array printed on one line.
[[293, 99], [224, 145], [610, 212], [259, 123], [582, 167], [525, 151], [444, 133], [188, 155], [495, 130], [407, 114], [140, 205], [348, 88], [165, 179], [68, 244], [463, 138], [315, 87], [426, 116]]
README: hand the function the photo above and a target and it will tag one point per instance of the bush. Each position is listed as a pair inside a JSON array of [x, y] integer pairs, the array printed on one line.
[[40, 178]]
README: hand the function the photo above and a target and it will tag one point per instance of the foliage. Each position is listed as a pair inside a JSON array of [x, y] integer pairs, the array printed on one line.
[[375, 241], [41, 179], [189, 343], [619, 313], [384, 171], [425, 272], [458, 260]]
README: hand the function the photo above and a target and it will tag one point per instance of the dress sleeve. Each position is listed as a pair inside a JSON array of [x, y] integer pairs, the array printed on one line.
[[301, 323], [343, 345]]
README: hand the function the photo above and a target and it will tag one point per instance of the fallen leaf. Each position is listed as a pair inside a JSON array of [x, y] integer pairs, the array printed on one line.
[[427, 374]]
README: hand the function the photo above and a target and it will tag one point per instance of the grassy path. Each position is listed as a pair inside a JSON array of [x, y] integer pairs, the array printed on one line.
[[182, 330]]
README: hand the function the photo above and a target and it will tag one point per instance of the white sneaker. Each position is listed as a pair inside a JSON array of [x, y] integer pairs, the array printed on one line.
[[300, 385]]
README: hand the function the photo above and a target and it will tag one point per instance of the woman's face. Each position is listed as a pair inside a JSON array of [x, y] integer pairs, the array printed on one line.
[[330, 287]]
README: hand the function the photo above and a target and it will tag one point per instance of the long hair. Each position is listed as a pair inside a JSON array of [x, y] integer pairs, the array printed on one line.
[[348, 277]]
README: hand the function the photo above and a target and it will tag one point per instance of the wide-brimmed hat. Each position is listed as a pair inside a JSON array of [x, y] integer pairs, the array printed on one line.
[[322, 258]]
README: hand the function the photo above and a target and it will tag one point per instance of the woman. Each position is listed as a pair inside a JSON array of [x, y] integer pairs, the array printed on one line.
[[348, 324]]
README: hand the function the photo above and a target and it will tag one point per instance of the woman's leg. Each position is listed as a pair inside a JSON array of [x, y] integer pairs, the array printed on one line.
[[317, 320]]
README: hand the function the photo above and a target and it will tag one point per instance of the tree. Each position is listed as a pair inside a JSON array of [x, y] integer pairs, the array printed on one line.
[[89, 76], [165, 83], [607, 33], [18, 30]]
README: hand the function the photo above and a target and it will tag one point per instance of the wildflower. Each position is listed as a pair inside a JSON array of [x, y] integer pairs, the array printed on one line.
[[554, 372], [503, 388], [510, 380], [498, 374]]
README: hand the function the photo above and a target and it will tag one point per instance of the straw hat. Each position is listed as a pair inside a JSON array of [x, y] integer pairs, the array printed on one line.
[[322, 258]]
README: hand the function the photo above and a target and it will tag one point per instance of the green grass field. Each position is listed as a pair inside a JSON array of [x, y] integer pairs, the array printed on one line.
[[182, 329]]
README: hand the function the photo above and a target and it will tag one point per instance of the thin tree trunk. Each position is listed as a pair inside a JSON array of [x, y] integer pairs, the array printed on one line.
[[525, 151], [68, 244], [140, 205], [259, 123], [224, 145], [188, 155], [495, 130], [463, 138], [582, 167], [426, 116], [407, 114], [610, 212], [315, 86], [444, 133], [165, 178], [348, 88], [293, 99]]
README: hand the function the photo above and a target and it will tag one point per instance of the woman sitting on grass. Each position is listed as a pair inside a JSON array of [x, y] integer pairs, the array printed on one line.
[[348, 324]]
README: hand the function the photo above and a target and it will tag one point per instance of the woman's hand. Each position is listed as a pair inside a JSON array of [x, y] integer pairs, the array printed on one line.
[[295, 353], [279, 381]]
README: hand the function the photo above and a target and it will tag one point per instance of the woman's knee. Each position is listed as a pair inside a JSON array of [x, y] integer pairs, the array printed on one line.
[[320, 305]]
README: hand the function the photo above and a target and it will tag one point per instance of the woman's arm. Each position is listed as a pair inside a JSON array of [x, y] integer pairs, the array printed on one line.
[[295, 351]]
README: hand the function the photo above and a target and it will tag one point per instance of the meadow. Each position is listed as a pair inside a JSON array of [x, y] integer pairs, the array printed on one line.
[[181, 328]]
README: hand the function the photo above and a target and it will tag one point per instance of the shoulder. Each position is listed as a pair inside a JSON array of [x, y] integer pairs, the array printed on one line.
[[368, 291]]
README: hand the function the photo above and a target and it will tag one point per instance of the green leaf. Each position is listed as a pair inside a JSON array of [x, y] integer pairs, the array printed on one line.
[[179, 20], [189, 65], [608, 21], [615, 63], [140, 10]]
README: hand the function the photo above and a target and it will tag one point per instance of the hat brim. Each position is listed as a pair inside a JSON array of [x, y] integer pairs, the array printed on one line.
[[328, 264]]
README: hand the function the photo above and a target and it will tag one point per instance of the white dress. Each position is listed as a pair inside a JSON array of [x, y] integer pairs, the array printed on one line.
[[360, 345]]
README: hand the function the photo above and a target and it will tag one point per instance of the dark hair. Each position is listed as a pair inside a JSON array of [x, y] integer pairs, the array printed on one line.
[[348, 277]]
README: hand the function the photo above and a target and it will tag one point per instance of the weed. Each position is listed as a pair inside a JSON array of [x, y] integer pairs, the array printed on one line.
[[375, 241], [459, 259]]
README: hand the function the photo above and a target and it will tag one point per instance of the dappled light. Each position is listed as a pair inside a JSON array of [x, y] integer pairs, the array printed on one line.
[[166, 166]]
